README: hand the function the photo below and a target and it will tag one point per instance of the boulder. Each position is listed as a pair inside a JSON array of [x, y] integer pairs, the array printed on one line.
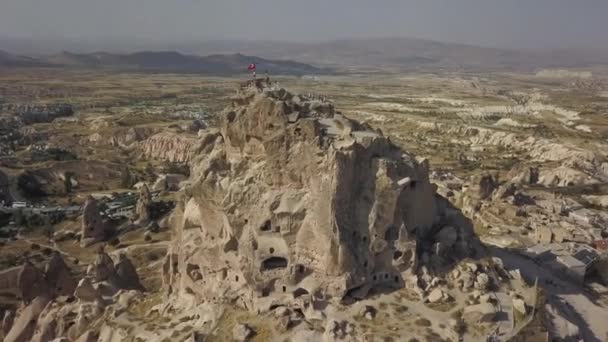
[[281, 311], [242, 332], [435, 296], [482, 281], [368, 312], [85, 291], [520, 305]]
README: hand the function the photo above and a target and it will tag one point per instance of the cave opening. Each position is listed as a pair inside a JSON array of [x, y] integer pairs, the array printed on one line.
[[274, 263]]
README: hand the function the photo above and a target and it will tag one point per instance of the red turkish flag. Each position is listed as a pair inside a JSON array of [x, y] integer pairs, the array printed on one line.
[[251, 67]]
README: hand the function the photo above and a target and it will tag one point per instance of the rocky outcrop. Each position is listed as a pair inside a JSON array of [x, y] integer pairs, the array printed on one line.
[[486, 185], [59, 277], [32, 283], [144, 202], [30, 114], [168, 182], [291, 198], [7, 322], [94, 227], [128, 279], [25, 324], [85, 292], [121, 137], [167, 146], [103, 266]]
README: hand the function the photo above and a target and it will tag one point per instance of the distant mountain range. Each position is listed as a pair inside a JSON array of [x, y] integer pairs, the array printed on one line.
[[169, 61], [279, 57], [406, 53]]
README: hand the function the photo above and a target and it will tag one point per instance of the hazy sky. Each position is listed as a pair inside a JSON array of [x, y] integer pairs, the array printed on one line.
[[500, 23]]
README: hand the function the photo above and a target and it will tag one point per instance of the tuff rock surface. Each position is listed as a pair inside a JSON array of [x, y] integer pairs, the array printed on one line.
[[94, 227], [289, 199]]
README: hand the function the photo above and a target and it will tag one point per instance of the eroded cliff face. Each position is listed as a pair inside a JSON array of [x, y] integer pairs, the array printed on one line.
[[290, 198], [167, 146]]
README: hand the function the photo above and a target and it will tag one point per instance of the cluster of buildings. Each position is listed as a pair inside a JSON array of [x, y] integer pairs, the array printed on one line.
[[575, 260], [119, 205], [26, 208]]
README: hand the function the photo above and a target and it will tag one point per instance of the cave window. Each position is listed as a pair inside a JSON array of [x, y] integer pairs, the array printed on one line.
[[365, 264], [246, 221], [236, 278], [396, 279], [274, 263], [271, 250], [265, 292], [277, 229], [391, 234], [386, 276], [413, 184], [299, 292], [364, 238], [231, 116], [194, 272], [266, 226], [375, 277], [284, 288], [397, 255], [301, 268]]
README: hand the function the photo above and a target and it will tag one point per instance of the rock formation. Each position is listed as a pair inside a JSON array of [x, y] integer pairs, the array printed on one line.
[[85, 292], [32, 283], [7, 321], [167, 146], [94, 227], [127, 274], [168, 182], [103, 267], [59, 277], [43, 113], [291, 198], [142, 209], [25, 325]]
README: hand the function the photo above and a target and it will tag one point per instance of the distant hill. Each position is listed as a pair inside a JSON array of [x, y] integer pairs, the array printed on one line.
[[163, 61], [14, 61], [405, 53]]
